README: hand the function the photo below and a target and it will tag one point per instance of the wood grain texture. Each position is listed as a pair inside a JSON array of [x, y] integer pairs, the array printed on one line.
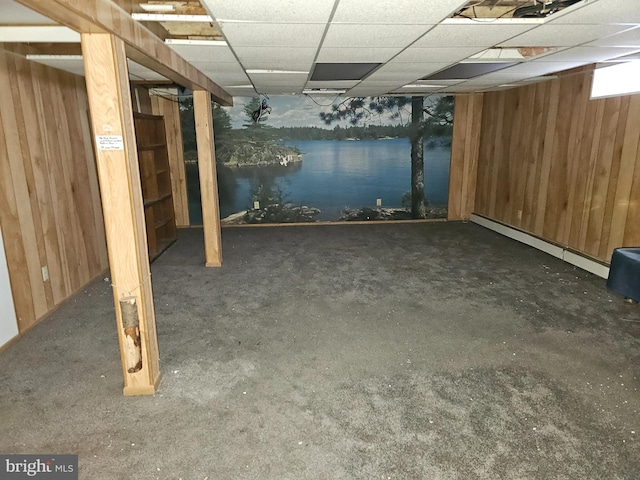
[[208, 178], [563, 167], [464, 156], [143, 46], [49, 211], [120, 187], [170, 111]]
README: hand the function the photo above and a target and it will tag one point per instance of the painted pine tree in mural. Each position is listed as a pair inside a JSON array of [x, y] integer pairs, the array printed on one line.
[[431, 116]]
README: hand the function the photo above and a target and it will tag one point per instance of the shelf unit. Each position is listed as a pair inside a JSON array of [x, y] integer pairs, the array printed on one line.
[[155, 176]]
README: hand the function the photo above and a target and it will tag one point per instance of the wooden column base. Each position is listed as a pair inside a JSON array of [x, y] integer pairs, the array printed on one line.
[[134, 390]]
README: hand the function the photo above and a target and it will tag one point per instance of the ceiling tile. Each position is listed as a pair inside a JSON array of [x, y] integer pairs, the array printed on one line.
[[14, 13], [377, 55], [589, 54], [365, 92], [75, 64], [276, 54], [398, 68], [227, 68], [503, 76], [395, 77], [285, 66], [471, 35], [555, 35], [531, 69], [372, 35], [436, 55], [143, 73], [241, 92], [275, 11], [419, 90], [383, 83], [245, 34], [393, 11], [630, 38], [599, 12], [227, 78], [274, 79], [38, 34], [69, 63], [334, 84], [462, 88], [191, 53], [281, 90]]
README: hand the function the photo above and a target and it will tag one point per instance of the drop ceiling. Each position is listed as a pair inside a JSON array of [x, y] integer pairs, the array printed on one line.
[[251, 46]]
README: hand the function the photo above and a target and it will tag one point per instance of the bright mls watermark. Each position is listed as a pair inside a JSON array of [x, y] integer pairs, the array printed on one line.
[[50, 467]]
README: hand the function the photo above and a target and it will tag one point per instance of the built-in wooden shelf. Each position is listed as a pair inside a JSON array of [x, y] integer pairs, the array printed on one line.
[[157, 146], [152, 201], [153, 157]]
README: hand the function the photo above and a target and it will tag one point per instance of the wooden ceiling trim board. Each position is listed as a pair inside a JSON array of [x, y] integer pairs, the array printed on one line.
[[143, 46]]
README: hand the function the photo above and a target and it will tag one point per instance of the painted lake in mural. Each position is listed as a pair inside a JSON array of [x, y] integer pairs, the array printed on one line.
[[335, 174]]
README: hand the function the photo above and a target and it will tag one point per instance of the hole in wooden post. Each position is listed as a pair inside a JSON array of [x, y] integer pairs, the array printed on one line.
[[131, 325]]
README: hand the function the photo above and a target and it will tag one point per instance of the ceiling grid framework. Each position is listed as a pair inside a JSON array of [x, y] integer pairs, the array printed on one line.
[[273, 48]]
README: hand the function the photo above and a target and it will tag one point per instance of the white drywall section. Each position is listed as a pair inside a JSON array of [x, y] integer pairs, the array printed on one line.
[[8, 323]]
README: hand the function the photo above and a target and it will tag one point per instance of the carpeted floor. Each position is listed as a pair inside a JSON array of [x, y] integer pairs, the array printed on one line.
[[389, 351]]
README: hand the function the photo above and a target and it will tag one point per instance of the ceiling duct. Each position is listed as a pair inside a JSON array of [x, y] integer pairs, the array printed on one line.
[[542, 9]]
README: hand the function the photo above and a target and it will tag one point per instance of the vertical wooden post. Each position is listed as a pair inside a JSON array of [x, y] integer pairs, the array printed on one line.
[[208, 178], [107, 81]]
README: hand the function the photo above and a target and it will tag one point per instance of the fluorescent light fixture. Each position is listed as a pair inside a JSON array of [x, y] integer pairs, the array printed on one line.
[[324, 91], [262, 70], [238, 86], [615, 80], [496, 55], [492, 21], [38, 56], [423, 85], [163, 17], [157, 7], [187, 41]]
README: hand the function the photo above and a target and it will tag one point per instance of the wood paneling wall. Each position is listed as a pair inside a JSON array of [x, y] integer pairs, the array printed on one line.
[[49, 196], [464, 155], [554, 163]]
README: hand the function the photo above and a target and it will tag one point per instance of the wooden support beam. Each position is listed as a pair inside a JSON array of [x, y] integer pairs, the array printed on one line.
[[143, 47], [208, 178], [117, 162]]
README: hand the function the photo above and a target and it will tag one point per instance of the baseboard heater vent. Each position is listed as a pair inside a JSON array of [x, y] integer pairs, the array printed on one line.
[[568, 256]]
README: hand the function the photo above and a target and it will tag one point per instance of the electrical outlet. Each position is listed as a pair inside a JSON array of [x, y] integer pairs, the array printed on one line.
[[256, 205], [45, 273], [378, 202], [519, 214]]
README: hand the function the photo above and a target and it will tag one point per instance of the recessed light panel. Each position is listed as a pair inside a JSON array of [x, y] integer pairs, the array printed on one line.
[[342, 71]]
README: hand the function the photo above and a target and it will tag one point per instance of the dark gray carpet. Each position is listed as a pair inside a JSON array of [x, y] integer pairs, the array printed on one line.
[[413, 351]]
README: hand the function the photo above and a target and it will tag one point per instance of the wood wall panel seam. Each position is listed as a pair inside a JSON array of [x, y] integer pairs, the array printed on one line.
[[579, 168], [22, 205], [36, 94]]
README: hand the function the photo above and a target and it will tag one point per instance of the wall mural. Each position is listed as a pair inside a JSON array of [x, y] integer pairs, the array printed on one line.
[[303, 159]]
